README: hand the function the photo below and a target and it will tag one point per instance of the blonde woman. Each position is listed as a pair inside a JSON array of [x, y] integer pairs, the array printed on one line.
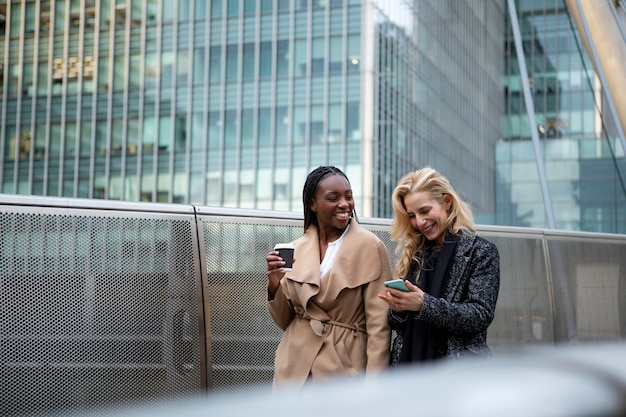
[[452, 275]]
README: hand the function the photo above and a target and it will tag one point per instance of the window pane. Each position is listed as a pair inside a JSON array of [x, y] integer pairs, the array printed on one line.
[[335, 55], [105, 12], [168, 9], [182, 67], [132, 137], [230, 129], [70, 138], [136, 11], [231, 62], [200, 10], [216, 8], [27, 81], [167, 67], [299, 124], [31, 18], [55, 139], [317, 56], [180, 132], [15, 73], [249, 6], [40, 141], [354, 53], [265, 60], [282, 125], [101, 136], [148, 134], [85, 137], [264, 126], [117, 134], [334, 123], [59, 15], [300, 65], [135, 69], [215, 64], [198, 65], [183, 10], [165, 123], [197, 140], [152, 70], [282, 58], [353, 122], [214, 129], [152, 9], [103, 73], [233, 7], [248, 61], [317, 124], [247, 127]]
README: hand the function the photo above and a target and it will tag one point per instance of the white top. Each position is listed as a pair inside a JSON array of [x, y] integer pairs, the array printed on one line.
[[331, 252]]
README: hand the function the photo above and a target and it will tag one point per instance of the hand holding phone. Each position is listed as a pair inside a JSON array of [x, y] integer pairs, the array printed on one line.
[[397, 284]]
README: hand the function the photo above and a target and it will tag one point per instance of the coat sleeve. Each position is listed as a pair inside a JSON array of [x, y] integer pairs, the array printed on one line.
[[397, 320], [473, 310], [280, 308], [378, 332]]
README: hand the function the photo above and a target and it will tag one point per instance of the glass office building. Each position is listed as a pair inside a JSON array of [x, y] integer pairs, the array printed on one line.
[[577, 141], [231, 102]]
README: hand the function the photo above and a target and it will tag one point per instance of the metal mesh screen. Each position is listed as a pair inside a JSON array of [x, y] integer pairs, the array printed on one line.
[[243, 335], [95, 308], [589, 289], [101, 307], [524, 312]]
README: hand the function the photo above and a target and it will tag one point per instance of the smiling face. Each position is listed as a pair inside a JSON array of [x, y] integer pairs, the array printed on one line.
[[333, 203], [428, 216]]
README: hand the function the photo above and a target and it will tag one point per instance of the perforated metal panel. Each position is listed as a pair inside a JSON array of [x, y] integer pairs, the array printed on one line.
[[243, 335], [525, 310], [102, 307], [96, 308], [589, 284]]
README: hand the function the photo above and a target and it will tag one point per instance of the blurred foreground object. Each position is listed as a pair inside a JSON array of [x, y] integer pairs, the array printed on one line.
[[562, 381]]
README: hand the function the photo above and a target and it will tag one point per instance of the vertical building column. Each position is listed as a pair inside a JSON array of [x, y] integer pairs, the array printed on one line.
[[530, 110], [367, 107]]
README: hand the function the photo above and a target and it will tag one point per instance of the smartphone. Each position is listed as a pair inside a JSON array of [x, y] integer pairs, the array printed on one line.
[[398, 284]]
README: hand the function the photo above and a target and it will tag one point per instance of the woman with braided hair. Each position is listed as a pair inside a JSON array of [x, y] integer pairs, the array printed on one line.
[[328, 306], [453, 275]]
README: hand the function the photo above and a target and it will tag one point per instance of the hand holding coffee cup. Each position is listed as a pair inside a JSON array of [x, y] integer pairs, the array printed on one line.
[[285, 251]]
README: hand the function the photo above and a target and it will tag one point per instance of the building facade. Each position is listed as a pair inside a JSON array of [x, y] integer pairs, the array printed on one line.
[[573, 143], [232, 102]]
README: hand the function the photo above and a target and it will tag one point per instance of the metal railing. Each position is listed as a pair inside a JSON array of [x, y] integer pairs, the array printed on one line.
[[106, 303]]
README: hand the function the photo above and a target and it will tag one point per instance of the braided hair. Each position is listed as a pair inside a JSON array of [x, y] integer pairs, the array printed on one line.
[[310, 187]]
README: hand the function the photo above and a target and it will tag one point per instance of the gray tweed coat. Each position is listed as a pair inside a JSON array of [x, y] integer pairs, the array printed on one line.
[[467, 305]]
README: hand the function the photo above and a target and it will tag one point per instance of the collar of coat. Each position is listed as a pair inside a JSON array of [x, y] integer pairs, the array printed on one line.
[[357, 262]]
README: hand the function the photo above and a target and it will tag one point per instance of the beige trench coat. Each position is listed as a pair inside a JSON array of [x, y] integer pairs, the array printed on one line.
[[346, 295]]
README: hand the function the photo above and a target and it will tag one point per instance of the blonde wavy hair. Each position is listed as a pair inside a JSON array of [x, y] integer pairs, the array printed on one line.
[[411, 242]]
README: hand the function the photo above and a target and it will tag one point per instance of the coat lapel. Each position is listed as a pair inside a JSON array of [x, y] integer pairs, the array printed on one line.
[[350, 270]]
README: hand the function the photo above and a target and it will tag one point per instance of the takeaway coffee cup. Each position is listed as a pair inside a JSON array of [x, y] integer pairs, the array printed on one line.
[[285, 251]]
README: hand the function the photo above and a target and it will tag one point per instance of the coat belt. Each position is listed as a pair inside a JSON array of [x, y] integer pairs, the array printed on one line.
[[320, 326]]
